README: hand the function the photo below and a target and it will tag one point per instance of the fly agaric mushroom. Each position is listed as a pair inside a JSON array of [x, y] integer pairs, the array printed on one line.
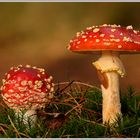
[[27, 88], [109, 41]]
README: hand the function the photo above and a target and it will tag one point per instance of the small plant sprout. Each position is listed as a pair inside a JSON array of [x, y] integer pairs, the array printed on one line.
[[27, 88], [109, 41]]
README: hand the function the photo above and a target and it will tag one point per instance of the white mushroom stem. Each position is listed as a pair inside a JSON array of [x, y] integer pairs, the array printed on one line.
[[109, 67], [28, 117]]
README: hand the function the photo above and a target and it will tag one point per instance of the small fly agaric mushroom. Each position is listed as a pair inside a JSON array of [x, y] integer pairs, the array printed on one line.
[[27, 88], [110, 41]]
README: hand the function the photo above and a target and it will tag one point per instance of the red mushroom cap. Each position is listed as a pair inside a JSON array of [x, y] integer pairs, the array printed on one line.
[[26, 87], [106, 37]]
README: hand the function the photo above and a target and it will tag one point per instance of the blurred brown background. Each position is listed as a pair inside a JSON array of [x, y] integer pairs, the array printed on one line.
[[38, 34]]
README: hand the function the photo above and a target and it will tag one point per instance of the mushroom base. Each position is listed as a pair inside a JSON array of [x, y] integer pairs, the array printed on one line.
[[28, 118]]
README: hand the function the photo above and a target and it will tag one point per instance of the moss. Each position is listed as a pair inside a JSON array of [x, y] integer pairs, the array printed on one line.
[[76, 114]]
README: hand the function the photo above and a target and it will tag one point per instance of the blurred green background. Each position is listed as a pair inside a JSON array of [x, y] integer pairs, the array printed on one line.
[[38, 34]]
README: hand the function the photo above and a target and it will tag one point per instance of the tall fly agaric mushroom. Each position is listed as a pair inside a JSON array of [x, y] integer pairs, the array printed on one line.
[[109, 41], [27, 88]]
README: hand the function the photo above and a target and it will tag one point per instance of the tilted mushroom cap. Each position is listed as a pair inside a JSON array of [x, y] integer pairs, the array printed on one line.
[[26, 87], [106, 37]]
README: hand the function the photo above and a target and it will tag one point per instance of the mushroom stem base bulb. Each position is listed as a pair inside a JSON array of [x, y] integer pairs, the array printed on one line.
[[29, 117], [109, 67]]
